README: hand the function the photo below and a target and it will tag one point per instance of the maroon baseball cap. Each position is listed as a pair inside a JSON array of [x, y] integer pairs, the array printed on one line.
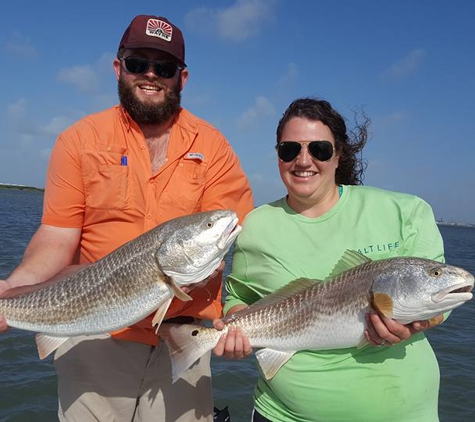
[[147, 31]]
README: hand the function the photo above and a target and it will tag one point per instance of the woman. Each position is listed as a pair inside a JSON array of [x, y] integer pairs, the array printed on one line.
[[396, 377]]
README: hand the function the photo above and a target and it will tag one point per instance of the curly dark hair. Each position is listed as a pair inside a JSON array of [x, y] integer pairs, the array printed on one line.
[[347, 143]]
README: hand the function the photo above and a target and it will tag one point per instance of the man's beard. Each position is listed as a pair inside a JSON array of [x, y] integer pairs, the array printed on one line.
[[149, 113]]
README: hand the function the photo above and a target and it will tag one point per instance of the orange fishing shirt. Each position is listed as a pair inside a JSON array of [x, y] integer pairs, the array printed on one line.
[[100, 179]]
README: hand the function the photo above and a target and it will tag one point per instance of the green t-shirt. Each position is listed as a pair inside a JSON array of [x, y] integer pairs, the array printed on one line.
[[393, 384]]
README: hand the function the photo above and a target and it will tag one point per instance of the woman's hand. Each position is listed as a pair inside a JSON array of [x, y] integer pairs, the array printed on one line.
[[381, 331], [233, 344]]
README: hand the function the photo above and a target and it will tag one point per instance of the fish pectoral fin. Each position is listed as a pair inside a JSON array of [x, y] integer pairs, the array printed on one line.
[[362, 343], [160, 314], [47, 344], [176, 289], [384, 304], [271, 361]]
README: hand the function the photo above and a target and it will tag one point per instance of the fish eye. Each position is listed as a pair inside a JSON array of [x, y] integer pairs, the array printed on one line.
[[209, 224], [435, 272]]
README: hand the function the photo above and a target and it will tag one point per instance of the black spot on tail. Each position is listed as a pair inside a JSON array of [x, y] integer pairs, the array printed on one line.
[[194, 333]]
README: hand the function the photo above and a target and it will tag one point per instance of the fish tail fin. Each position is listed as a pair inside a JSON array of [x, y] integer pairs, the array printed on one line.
[[186, 344]]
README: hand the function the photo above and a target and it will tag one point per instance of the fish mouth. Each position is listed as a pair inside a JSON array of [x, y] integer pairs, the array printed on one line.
[[459, 292], [229, 235]]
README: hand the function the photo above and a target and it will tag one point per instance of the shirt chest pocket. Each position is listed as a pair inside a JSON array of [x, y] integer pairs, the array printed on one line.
[[187, 186], [105, 177]]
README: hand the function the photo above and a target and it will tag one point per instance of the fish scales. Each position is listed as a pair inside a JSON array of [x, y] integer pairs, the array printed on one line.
[[125, 286], [127, 278], [317, 308], [315, 315]]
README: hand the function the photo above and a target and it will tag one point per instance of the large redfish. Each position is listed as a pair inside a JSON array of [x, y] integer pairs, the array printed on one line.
[[125, 286], [315, 315]]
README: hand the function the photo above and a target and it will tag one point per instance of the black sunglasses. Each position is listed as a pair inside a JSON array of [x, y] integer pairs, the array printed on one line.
[[139, 65], [319, 150]]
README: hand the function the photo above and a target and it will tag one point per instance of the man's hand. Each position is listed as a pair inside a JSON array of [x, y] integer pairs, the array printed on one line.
[[3, 324]]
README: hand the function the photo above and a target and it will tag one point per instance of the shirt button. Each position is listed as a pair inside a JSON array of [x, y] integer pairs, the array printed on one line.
[[142, 147], [149, 216], [151, 180], [109, 148]]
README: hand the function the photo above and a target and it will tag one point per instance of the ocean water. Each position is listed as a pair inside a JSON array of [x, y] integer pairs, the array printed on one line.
[[28, 385]]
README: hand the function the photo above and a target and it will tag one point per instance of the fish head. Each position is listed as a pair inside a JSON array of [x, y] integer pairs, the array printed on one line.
[[416, 289], [195, 245]]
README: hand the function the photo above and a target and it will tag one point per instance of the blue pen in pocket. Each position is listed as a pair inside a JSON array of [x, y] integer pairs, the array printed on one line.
[[123, 160]]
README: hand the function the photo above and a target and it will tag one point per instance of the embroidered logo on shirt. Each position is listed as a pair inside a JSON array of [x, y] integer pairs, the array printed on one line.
[[195, 156], [159, 29]]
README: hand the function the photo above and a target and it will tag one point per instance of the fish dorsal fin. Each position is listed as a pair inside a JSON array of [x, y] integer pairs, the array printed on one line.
[[350, 259], [271, 361], [290, 289], [383, 304], [160, 314], [66, 272]]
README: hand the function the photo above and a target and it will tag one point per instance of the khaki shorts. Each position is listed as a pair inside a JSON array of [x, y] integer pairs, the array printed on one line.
[[108, 380]]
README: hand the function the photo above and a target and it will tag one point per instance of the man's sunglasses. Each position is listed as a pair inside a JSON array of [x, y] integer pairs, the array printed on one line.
[[319, 150], [139, 65]]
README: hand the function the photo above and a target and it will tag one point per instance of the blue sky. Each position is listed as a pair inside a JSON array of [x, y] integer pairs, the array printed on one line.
[[410, 65]]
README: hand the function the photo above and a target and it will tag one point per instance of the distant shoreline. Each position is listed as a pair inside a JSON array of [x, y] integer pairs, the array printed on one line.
[[445, 223], [32, 188], [19, 187]]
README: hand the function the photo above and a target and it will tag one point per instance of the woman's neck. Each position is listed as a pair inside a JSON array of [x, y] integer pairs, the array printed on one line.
[[314, 206]]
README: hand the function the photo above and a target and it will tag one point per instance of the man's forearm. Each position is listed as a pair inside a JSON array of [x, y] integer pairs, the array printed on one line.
[[49, 251]]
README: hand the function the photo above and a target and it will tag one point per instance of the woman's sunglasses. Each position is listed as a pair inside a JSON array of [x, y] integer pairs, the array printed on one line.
[[319, 150], [139, 65]]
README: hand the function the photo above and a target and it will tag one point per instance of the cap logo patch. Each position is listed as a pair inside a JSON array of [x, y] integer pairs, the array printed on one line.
[[159, 29]]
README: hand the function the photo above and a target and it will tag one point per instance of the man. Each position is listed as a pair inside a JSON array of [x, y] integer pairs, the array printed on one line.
[[112, 176]]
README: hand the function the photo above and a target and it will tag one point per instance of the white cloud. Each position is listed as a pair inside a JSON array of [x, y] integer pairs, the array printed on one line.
[[290, 77], [266, 189], [45, 153], [104, 64], [92, 79], [262, 108], [84, 78], [17, 118], [198, 100], [406, 66], [17, 110], [56, 125], [26, 133], [243, 19], [240, 21], [20, 46], [385, 122]]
